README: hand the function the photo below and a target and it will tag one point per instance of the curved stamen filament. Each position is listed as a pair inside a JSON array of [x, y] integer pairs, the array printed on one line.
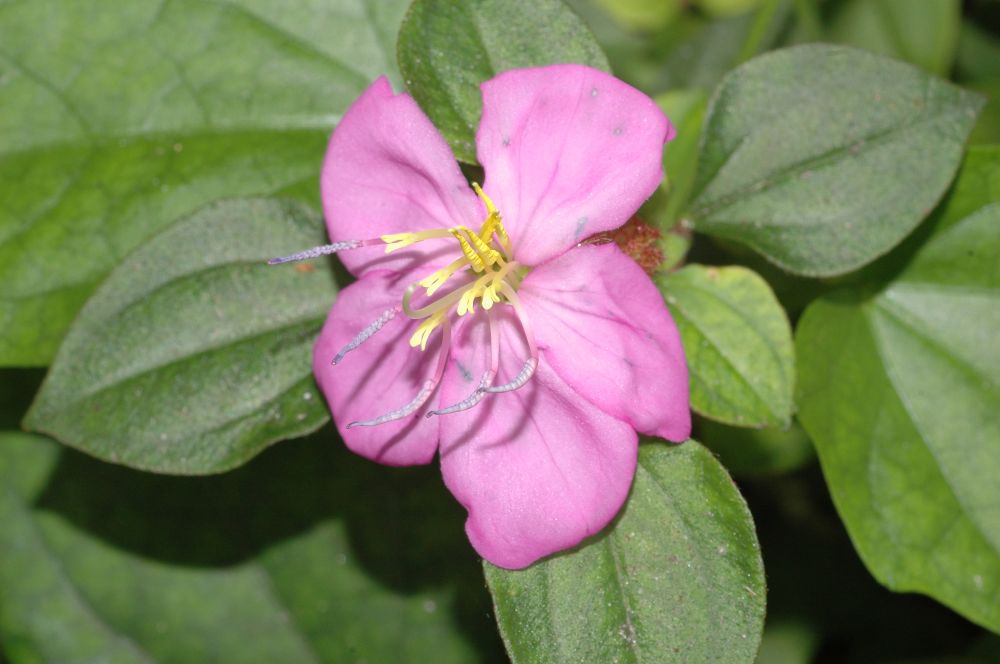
[[467, 303], [423, 332], [520, 380], [426, 390], [499, 277], [442, 303], [438, 279], [367, 333], [531, 364], [487, 378], [522, 317], [466, 403]]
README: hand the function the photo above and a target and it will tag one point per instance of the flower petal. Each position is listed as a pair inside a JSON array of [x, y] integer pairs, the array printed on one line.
[[569, 151], [538, 469], [388, 170], [603, 327], [381, 375]]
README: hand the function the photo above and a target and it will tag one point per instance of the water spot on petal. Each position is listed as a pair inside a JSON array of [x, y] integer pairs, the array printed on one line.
[[593, 92]]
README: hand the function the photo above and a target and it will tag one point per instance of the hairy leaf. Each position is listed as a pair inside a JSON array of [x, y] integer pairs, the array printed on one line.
[[825, 171], [737, 342], [119, 116], [900, 390], [195, 354]]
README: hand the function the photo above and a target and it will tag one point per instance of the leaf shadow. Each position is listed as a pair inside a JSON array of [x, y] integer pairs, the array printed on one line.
[[403, 528]]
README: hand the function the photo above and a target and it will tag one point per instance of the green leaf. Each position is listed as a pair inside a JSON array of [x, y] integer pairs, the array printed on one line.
[[276, 562], [977, 185], [987, 129], [677, 578], [737, 341], [900, 390], [686, 110], [119, 116], [978, 57], [642, 15], [195, 354], [447, 48], [727, 7], [703, 51], [977, 65], [924, 33], [824, 173], [757, 452]]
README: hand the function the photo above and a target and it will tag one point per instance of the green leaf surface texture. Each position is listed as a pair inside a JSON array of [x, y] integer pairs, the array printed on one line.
[[195, 354], [119, 116], [900, 391], [823, 158], [737, 342]]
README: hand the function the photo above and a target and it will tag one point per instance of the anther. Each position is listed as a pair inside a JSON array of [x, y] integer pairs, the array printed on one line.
[[523, 376], [469, 401], [487, 378], [316, 252], [426, 390], [367, 333], [400, 413], [529, 367]]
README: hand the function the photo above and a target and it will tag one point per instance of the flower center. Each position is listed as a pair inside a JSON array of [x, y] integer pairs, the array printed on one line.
[[490, 275], [486, 262]]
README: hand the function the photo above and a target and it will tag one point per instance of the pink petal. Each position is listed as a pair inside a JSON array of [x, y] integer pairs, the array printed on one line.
[[538, 469], [569, 151], [388, 170], [381, 375], [604, 328]]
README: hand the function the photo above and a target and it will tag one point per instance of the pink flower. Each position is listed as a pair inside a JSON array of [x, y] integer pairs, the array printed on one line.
[[480, 326]]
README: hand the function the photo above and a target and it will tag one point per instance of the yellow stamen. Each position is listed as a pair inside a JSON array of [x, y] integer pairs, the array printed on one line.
[[490, 208], [492, 224], [443, 303], [438, 279], [394, 241], [424, 330], [467, 304], [479, 255]]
